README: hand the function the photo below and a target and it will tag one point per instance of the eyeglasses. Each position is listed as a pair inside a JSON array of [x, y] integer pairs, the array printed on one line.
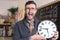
[[30, 8]]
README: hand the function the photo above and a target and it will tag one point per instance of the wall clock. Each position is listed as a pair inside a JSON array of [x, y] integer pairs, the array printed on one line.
[[46, 29]]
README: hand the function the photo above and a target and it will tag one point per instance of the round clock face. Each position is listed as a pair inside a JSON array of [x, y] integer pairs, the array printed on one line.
[[46, 28]]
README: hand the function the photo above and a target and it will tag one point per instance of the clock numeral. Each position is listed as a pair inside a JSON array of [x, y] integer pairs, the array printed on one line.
[[51, 34], [42, 23], [40, 30], [40, 26], [45, 22], [41, 33], [53, 27], [51, 24], [44, 35]]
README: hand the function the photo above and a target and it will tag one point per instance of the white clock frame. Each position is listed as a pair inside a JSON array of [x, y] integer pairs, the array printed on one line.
[[46, 28]]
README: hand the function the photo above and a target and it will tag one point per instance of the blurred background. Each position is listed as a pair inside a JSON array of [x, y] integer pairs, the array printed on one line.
[[12, 11]]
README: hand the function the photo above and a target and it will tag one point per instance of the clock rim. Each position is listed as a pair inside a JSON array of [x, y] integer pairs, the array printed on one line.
[[47, 20]]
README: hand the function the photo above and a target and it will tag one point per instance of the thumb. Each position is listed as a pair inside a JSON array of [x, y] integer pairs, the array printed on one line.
[[36, 32]]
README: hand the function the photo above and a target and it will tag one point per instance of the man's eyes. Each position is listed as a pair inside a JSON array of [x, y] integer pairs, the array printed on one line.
[[30, 8]]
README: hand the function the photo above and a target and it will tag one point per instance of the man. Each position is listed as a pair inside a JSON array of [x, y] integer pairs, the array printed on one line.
[[27, 28]]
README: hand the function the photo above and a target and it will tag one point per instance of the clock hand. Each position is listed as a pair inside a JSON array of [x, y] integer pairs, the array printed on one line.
[[48, 32], [45, 28]]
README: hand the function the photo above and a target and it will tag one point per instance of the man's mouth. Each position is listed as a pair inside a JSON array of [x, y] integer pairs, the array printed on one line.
[[30, 14]]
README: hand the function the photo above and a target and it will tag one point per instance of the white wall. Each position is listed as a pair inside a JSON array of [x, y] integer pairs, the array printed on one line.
[[4, 5], [42, 2], [38, 2]]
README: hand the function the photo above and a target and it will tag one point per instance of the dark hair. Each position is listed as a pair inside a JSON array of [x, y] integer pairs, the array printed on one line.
[[30, 2]]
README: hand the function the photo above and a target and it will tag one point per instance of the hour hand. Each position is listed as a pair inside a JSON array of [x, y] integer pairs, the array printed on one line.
[[45, 28]]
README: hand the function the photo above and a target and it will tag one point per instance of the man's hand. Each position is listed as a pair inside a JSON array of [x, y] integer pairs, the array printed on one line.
[[37, 37], [56, 35]]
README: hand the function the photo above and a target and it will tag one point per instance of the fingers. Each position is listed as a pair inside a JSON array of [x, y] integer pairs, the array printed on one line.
[[36, 32], [53, 38], [56, 35], [37, 37], [43, 38]]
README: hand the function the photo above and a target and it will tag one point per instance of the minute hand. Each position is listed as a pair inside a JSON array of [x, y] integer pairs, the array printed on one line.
[[47, 30]]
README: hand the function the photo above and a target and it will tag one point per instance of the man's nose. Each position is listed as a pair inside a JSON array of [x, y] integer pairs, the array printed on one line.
[[30, 10]]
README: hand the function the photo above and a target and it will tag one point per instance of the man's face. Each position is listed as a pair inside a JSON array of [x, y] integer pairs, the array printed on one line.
[[30, 11]]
